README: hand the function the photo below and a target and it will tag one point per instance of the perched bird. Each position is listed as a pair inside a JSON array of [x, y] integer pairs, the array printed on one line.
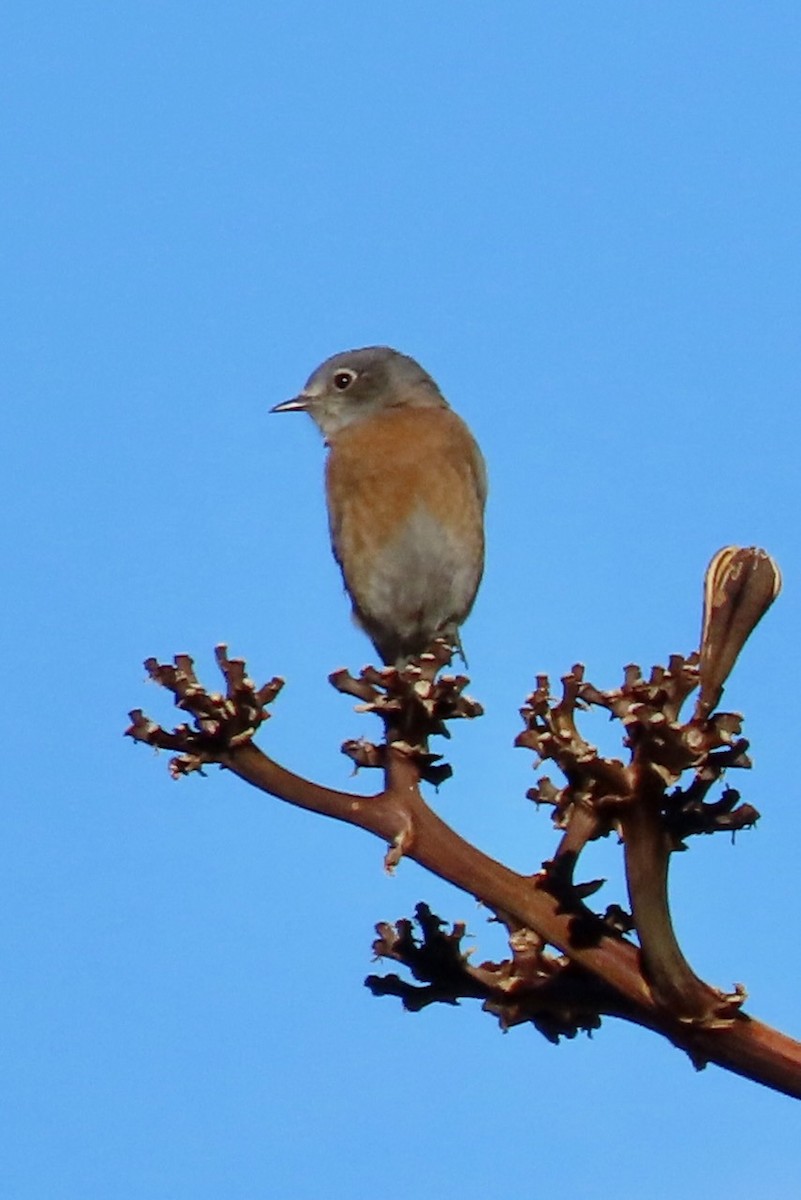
[[406, 485]]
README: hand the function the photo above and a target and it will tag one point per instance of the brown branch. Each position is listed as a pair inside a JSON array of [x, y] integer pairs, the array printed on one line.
[[598, 970], [647, 848], [400, 816]]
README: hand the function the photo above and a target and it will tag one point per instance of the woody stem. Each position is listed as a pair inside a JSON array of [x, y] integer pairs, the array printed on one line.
[[647, 851]]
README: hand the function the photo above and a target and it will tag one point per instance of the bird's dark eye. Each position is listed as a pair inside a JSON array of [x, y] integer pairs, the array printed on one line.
[[343, 379]]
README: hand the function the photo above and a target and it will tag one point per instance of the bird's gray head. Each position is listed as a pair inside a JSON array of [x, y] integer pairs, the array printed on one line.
[[356, 384]]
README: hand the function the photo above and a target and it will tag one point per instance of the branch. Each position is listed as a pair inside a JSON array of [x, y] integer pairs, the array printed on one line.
[[597, 969]]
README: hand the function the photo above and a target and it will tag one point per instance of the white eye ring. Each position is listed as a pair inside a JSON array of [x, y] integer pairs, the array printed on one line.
[[343, 379]]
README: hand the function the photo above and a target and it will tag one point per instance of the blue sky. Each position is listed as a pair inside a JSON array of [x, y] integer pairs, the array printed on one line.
[[583, 219]]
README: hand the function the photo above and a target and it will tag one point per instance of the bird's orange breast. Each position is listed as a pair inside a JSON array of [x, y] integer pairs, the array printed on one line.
[[381, 470]]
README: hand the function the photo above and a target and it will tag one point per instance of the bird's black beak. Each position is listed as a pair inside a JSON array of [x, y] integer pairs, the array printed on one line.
[[296, 404]]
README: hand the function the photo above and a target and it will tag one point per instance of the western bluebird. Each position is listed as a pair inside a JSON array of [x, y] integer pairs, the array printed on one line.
[[406, 485]]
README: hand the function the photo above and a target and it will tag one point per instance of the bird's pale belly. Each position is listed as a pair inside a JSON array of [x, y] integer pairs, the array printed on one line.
[[419, 584]]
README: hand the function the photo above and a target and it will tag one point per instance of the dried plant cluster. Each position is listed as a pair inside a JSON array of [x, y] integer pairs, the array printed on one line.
[[568, 965]]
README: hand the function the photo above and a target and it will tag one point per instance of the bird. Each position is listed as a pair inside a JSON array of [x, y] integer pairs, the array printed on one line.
[[406, 486]]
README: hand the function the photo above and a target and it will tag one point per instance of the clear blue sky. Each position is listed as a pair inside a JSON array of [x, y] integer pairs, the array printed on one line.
[[584, 219]]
